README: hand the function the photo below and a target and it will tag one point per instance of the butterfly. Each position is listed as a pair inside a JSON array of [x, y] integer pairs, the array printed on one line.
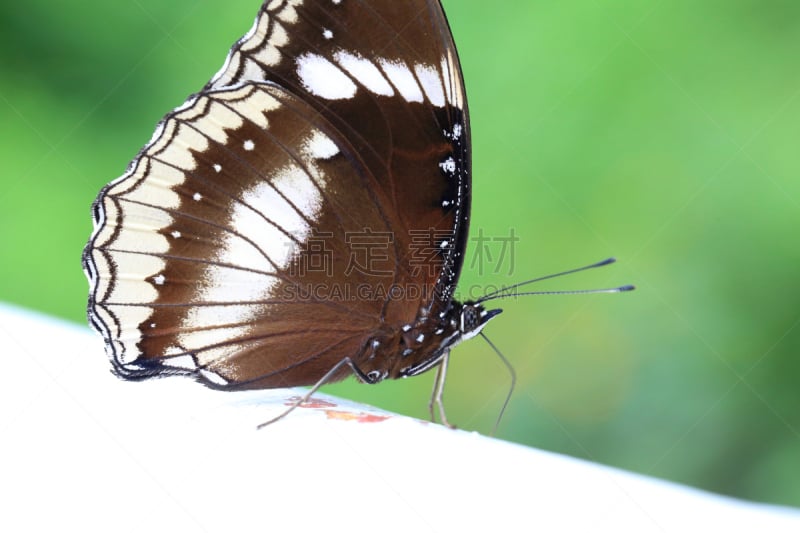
[[304, 216]]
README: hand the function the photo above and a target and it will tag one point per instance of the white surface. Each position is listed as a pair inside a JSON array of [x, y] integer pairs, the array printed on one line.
[[84, 451]]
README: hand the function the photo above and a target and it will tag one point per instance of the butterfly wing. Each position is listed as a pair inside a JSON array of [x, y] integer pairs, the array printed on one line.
[[387, 74], [230, 249]]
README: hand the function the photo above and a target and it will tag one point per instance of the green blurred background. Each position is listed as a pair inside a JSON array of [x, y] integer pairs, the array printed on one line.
[[662, 132]]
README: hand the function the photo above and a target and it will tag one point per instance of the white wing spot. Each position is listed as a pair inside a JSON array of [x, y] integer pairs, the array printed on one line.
[[249, 250], [213, 377], [217, 168], [402, 78], [445, 243], [321, 146], [365, 72], [197, 197], [176, 234], [431, 84], [407, 327], [445, 203], [420, 337], [249, 145], [183, 361], [448, 165], [159, 280], [328, 34], [324, 79]]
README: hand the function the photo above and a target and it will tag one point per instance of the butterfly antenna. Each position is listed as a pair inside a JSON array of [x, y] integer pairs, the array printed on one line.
[[507, 292], [513, 374], [623, 288]]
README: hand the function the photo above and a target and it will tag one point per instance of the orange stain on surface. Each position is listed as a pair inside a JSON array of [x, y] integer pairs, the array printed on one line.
[[363, 418]]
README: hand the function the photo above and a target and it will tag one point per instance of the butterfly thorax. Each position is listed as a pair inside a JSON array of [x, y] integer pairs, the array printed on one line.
[[414, 348]]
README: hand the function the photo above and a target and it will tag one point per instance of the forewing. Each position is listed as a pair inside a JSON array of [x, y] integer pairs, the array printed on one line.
[[385, 73]]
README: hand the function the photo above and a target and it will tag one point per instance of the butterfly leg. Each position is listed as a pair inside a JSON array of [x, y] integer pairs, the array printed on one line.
[[367, 378], [437, 396]]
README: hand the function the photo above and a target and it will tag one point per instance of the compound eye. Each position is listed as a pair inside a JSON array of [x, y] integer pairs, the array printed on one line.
[[470, 319]]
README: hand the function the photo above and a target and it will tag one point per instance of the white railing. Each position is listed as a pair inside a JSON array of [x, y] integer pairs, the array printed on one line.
[[84, 451]]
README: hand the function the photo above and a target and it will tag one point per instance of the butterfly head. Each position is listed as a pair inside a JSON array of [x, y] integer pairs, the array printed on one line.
[[472, 317]]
